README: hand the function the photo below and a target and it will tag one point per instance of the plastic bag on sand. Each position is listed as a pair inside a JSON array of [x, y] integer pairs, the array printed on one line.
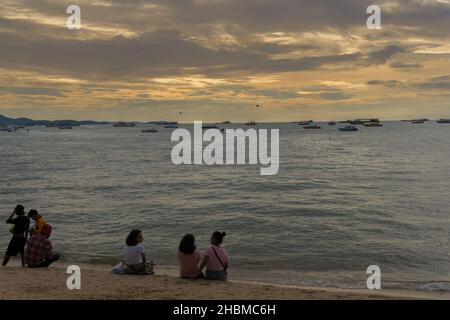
[[119, 268]]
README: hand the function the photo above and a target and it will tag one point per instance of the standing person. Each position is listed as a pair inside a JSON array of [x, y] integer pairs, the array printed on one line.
[[39, 252], [134, 254], [20, 233], [39, 222], [216, 259], [189, 257]]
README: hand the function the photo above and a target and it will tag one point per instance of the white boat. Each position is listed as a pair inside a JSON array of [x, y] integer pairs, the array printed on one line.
[[10, 128]]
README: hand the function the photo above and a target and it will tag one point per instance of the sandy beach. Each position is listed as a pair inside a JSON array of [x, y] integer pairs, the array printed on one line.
[[97, 282]]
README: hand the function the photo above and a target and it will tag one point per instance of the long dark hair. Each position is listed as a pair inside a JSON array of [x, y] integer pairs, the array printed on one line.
[[32, 212], [132, 238], [187, 244], [218, 236]]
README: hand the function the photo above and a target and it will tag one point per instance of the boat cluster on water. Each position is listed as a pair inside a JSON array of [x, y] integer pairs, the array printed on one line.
[[351, 124], [421, 121], [11, 128]]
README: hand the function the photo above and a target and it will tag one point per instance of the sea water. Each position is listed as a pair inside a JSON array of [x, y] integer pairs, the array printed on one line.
[[339, 203]]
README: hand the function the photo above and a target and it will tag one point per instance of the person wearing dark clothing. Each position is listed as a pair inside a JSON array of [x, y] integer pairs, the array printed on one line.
[[21, 225]]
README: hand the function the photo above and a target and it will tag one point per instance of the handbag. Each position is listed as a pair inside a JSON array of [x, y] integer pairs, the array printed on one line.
[[149, 267], [220, 260]]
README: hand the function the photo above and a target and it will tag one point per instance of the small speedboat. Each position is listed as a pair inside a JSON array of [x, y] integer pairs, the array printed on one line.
[[348, 128], [304, 123], [372, 124], [150, 130], [65, 127], [171, 126], [10, 129], [443, 121], [209, 126], [312, 126], [332, 123], [251, 123], [122, 124]]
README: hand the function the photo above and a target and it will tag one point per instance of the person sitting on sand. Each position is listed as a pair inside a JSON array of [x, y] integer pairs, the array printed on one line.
[[38, 224], [216, 259], [20, 233], [189, 257], [134, 255], [39, 252]]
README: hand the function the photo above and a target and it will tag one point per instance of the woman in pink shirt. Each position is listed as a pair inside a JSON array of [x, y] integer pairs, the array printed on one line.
[[216, 259], [189, 258]]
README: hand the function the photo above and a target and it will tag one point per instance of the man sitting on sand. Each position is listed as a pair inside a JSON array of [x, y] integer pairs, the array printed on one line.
[[39, 249], [39, 222]]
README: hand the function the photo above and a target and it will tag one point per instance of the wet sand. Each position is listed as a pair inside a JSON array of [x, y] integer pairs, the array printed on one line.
[[97, 282]]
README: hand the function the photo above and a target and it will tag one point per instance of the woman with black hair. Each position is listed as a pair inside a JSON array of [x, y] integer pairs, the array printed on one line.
[[189, 257], [216, 259], [39, 222], [134, 254]]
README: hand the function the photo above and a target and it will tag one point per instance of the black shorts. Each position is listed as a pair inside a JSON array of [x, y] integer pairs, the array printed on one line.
[[16, 245]]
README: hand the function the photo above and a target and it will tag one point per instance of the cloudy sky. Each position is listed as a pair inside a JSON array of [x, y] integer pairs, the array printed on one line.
[[215, 60]]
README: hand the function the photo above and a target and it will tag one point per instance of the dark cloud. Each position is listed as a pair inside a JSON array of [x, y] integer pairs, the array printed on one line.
[[335, 96], [124, 44], [435, 83], [28, 91], [180, 49], [277, 94], [276, 48], [401, 65], [155, 54], [386, 83], [253, 15], [381, 56]]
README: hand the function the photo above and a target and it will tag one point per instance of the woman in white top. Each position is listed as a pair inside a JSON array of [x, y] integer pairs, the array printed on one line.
[[134, 254]]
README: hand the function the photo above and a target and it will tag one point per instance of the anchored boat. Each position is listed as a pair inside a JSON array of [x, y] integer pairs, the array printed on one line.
[[150, 130], [348, 128], [312, 126]]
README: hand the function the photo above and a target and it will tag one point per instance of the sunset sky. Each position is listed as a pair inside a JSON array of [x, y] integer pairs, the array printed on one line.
[[214, 60]]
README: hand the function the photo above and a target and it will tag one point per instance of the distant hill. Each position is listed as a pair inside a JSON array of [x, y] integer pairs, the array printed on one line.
[[5, 121]]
